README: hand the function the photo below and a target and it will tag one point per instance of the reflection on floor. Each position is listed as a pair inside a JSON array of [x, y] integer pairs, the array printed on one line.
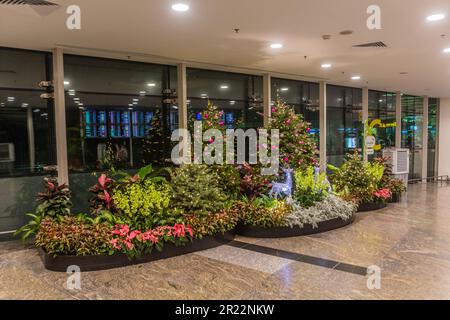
[[409, 241]]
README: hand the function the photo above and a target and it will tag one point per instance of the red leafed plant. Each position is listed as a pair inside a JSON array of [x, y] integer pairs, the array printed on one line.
[[102, 199], [253, 184], [135, 243], [383, 194]]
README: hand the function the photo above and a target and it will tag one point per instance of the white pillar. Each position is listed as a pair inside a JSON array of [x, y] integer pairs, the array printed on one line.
[[182, 97], [323, 125], [60, 115], [425, 139], [30, 129], [398, 119], [365, 116], [267, 98]]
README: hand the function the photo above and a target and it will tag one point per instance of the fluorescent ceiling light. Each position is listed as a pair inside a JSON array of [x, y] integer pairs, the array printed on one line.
[[130, 104], [224, 86], [356, 77], [36, 110], [130, 108], [326, 65], [232, 102], [66, 83], [151, 84], [276, 45], [180, 7], [135, 100], [24, 105], [11, 99], [447, 50], [284, 89], [142, 93], [436, 17]]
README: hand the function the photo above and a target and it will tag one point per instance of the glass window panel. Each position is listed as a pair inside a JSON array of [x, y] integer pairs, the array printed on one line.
[[433, 105], [238, 95], [412, 122], [303, 97], [27, 140], [112, 108], [344, 122]]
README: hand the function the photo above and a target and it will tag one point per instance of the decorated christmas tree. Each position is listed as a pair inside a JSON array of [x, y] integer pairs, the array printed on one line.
[[156, 145], [297, 147]]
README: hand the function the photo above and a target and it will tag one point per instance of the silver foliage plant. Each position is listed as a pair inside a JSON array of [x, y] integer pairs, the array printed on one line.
[[331, 207]]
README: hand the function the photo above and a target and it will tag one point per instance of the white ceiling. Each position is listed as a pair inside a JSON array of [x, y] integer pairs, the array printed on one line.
[[205, 34]]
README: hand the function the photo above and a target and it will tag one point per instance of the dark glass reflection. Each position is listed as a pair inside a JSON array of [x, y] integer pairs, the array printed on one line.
[[344, 122], [238, 95]]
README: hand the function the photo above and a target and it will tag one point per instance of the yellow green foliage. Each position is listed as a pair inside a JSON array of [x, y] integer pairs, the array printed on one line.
[[142, 198]]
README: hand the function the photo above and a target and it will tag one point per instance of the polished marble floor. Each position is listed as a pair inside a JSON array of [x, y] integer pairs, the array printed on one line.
[[409, 242]]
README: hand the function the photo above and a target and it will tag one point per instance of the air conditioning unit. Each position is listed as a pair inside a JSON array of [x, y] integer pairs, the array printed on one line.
[[7, 152], [398, 159]]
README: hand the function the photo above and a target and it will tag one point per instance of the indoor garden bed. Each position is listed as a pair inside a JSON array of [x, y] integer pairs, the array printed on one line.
[[61, 263]]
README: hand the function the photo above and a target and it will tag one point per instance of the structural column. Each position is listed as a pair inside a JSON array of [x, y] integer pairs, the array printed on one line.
[[31, 148], [323, 125], [182, 96], [267, 99], [365, 117], [398, 119], [60, 115], [425, 139]]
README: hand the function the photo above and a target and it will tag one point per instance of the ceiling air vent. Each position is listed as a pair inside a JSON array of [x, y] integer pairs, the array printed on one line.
[[378, 44], [28, 2]]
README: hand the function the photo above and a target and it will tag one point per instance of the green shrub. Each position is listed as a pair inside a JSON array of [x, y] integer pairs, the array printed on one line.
[[73, 236], [264, 212], [357, 180], [230, 179], [197, 190], [142, 202], [310, 187]]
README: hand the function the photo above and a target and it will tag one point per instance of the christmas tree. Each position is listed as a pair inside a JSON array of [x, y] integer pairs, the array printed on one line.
[[156, 144], [297, 146]]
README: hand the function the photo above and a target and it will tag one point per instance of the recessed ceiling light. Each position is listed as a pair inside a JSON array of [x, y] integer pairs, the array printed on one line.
[[11, 99], [142, 93], [66, 83], [447, 50], [24, 105], [36, 110], [151, 84], [135, 100], [232, 102], [81, 108], [2, 104], [135, 103], [203, 95], [276, 45], [356, 78], [436, 17], [180, 7], [224, 86], [326, 65], [130, 108], [284, 89], [130, 104]]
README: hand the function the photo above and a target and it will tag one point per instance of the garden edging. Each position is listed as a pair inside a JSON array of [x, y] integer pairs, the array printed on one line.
[[286, 232]]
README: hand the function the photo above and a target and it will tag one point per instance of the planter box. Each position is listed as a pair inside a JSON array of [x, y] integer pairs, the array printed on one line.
[[103, 262], [364, 207], [395, 198], [286, 232]]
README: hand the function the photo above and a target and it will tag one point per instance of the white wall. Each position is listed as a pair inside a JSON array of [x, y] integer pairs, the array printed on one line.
[[444, 137]]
